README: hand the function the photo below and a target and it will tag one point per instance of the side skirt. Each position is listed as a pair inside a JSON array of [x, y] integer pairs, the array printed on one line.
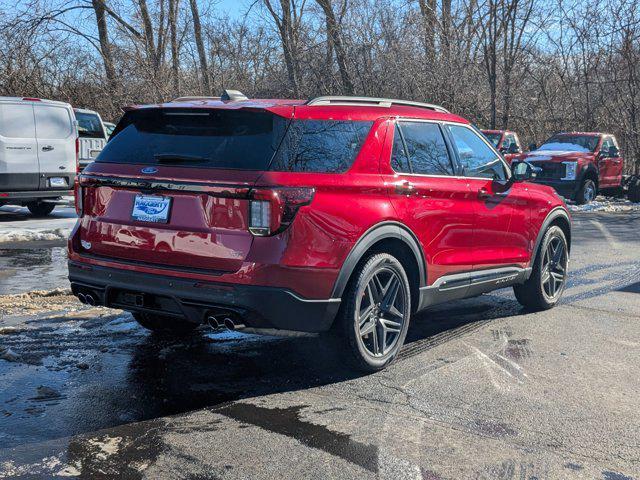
[[471, 284]]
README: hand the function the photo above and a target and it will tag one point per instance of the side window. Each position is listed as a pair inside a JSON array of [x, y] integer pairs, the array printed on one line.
[[16, 121], [476, 158], [52, 122], [399, 159], [322, 146], [426, 148]]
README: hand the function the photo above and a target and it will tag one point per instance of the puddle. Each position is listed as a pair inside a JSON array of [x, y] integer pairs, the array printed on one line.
[[25, 270]]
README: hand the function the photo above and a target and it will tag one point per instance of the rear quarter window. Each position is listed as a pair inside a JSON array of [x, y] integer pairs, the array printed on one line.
[[16, 121], [320, 146], [52, 122]]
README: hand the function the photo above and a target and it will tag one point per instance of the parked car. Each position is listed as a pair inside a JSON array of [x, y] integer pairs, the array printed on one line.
[[506, 142], [337, 214], [579, 165], [109, 127], [92, 134], [38, 153]]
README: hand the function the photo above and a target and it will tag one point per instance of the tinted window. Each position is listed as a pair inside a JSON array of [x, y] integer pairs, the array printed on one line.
[[399, 159], [494, 138], [52, 122], [323, 146], [476, 158], [607, 143], [210, 138], [89, 125], [16, 121], [426, 148]]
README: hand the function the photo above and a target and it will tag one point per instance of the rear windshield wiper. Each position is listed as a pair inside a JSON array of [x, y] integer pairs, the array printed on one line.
[[178, 158]]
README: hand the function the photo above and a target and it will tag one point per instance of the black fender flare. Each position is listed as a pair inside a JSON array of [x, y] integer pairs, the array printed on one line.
[[367, 240], [557, 212]]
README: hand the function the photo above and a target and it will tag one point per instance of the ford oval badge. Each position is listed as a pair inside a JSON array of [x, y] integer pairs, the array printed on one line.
[[149, 170]]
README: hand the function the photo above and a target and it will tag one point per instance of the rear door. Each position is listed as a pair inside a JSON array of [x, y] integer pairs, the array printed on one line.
[[429, 199], [500, 234], [56, 146], [19, 169]]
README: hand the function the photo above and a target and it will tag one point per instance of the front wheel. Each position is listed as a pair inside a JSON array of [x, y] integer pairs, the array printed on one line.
[[40, 209], [587, 193], [375, 313], [165, 326], [544, 287]]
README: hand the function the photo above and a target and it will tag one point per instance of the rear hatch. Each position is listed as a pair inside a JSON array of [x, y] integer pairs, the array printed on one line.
[[171, 187]]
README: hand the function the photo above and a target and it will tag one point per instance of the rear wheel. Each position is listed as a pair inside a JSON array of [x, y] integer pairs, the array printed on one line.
[[587, 193], [375, 313], [544, 287], [162, 325], [40, 209], [634, 190]]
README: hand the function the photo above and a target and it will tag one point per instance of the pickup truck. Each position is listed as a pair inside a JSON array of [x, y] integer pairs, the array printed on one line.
[[506, 142], [578, 165]]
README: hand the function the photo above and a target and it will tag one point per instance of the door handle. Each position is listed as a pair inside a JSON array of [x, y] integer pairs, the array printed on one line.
[[47, 148], [483, 193], [405, 188]]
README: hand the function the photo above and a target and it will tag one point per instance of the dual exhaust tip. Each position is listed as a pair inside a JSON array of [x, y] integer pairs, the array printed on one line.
[[224, 322], [88, 298]]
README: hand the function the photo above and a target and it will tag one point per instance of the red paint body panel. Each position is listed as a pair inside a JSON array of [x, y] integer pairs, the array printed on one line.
[[207, 240]]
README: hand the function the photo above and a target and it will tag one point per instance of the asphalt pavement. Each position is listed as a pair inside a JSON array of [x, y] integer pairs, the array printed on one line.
[[482, 389]]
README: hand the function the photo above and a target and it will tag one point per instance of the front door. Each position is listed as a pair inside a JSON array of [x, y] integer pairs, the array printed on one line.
[[609, 163], [428, 198], [56, 146], [500, 234]]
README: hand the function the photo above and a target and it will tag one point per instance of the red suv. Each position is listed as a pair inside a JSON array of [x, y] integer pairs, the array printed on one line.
[[338, 213]]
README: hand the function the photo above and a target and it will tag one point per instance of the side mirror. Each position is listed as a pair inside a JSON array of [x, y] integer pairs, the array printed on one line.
[[523, 171], [613, 151], [532, 147], [504, 150], [513, 148]]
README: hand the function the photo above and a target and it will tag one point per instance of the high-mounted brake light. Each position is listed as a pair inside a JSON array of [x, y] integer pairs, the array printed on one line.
[[272, 210], [31, 99]]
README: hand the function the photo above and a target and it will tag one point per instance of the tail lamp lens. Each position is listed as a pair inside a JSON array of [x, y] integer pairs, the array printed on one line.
[[260, 217], [78, 193]]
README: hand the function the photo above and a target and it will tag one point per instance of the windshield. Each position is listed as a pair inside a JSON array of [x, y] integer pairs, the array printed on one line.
[[494, 138], [89, 125], [571, 143]]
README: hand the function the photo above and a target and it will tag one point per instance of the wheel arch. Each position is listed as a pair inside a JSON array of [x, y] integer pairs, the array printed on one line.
[[388, 237], [559, 217], [590, 172]]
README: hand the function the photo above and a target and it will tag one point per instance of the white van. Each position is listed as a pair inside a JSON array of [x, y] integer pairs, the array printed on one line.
[[92, 135], [38, 153]]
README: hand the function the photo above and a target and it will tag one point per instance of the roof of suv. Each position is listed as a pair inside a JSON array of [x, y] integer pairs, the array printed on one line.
[[346, 108]]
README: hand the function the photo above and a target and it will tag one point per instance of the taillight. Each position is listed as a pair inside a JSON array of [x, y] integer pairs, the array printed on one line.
[[271, 210], [77, 155], [78, 194]]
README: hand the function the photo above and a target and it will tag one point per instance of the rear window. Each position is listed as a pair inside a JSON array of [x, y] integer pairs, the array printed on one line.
[[234, 139], [89, 125]]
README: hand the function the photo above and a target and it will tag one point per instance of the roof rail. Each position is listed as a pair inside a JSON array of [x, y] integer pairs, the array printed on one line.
[[376, 102], [192, 99]]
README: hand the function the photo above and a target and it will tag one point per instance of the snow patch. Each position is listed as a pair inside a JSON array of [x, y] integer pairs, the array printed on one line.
[[609, 205], [38, 234]]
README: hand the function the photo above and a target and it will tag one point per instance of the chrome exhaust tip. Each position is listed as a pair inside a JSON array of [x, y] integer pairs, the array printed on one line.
[[214, 323], [231, 325], [90, 299], [82, 298]]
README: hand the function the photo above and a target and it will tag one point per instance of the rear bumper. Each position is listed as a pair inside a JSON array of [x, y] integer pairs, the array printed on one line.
[[259, 307], [26, 196]]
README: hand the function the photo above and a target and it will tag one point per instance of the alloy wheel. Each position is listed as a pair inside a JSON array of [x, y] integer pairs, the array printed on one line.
[[381, 312], [554, 268], [589, 192]]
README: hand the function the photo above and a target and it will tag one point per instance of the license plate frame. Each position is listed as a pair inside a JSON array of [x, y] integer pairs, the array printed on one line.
[[151, 208]]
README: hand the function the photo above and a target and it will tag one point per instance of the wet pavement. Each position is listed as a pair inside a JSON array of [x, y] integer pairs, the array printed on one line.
[[482, 389]]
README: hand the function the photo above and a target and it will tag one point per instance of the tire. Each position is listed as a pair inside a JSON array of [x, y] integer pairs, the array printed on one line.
[[165, 326], [634, 191], [587, 192], [534, 294], [380, 287], [40, 209]]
